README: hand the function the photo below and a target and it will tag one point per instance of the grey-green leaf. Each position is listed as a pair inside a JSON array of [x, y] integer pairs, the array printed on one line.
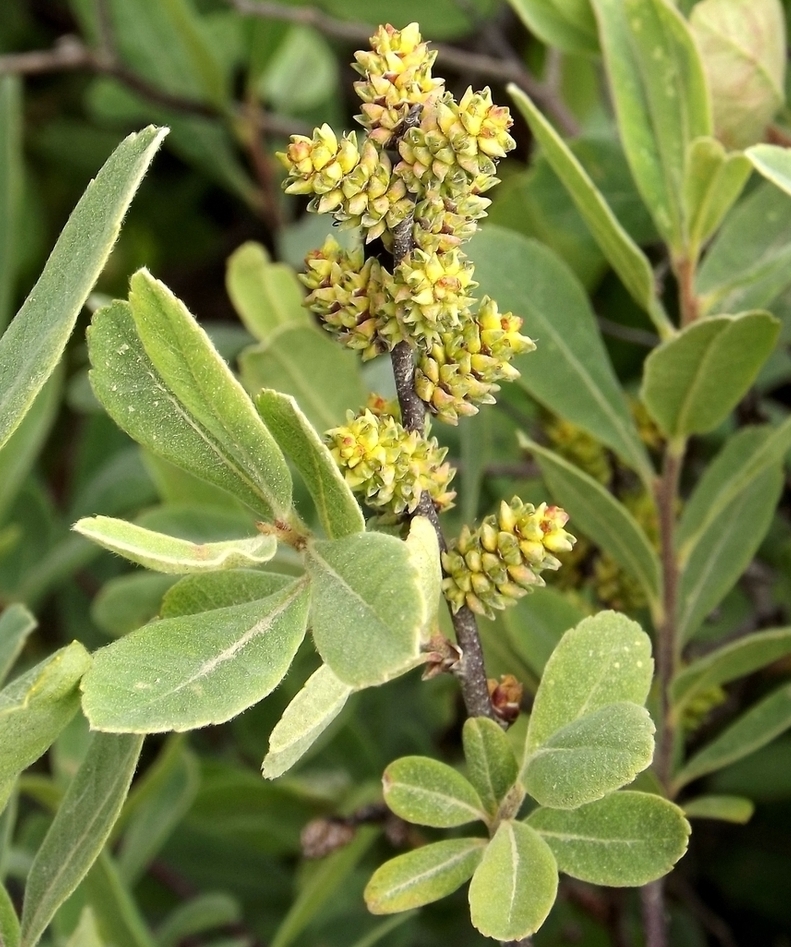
[[423, 875], [570, 372], [693, 382], [32, 345], [428, 792], [190, 366], [192, 671], [16, 623], [713, 180], [80, 828], [203, 593], [774, 163], [627, 838], [756, 727], [491, 765], [732, 661], [735, 809], [567, 24], [266, 295], [515, 885], [36, 706], [367, 607], [9, 922], [338, 510], [590, 757], [308, 715], [623, 254], [660, 96], [604, 660], [598, 514]]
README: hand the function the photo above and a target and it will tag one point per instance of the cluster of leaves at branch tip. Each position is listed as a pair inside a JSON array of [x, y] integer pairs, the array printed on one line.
[[425, 162]]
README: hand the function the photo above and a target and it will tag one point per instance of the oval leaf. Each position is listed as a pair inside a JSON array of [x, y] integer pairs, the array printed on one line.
[[174, 556], [424, 875], [266, 295], [735, 809], [515, 885], [567, 24], [339, 512], [188, 672], [693, 382], [308, 715], [366, 607], [16, 623], [491, 764], [604, 660], [428, 792], [626, 839], [202, 593], [33, 343], [713, 180], [592, 756], [774, 163], [423, 547]]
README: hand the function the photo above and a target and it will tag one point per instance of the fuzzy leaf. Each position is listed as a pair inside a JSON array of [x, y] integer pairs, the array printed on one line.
[[753, 729], [423, 547], [266, 295], [537, 623], [188, 672], [129, 601], [661, 100], [16, 623], [604, 660], [203, 593], [308, 715], [9, 922], [367, 607], [567, 24], [423, 875], [570, 372], [338, 510], [735, 809], [515, 885], [628, 838], [774, 163], [693, 382], [36, 706], [174, 556], [32, 345], [713, 180], [80, 828], [427, 792], [86, 933], [491, 765]]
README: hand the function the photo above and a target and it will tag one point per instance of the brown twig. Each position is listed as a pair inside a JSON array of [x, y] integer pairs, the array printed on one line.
[[653, 908]]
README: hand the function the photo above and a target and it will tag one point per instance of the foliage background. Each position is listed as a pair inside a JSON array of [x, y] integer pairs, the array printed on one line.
[[231, 87]]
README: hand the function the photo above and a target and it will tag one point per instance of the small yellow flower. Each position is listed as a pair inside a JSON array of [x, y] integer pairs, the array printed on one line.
[[318, 165]]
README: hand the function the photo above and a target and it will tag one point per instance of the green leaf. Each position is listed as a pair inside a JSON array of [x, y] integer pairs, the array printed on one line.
[[734, 809], [598, 514], [338, 510], [536, 624], [128, 602], [728, 663], [774, 163], [16, 623], [207, 391], [174, 556], [570, 372], [661, 100], [86, 933], [515, 885], [753, 729], [742, 45], [80, 828], [746, 455], [423, 547], [308, 715], [590, 757], [567, 24], [693, 382], [202, 913], [367, 607], [305, 362], [713, 180], [202, 593], [626, 839], [140, 402], [604, 660], [428, 792], [725, 549], [749, 262], [11, 183], [36, 706], [116, 911], [491, 765], [33, 343], [266, 295], [623, 254], [330, 876], [188, 672], [423, 875], [9, 922]]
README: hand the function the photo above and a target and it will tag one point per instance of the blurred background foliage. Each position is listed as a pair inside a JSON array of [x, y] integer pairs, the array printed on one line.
[[210, 853]]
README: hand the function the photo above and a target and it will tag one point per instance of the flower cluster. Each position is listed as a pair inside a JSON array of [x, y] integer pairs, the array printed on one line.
[[390, 466], [502, 560]]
